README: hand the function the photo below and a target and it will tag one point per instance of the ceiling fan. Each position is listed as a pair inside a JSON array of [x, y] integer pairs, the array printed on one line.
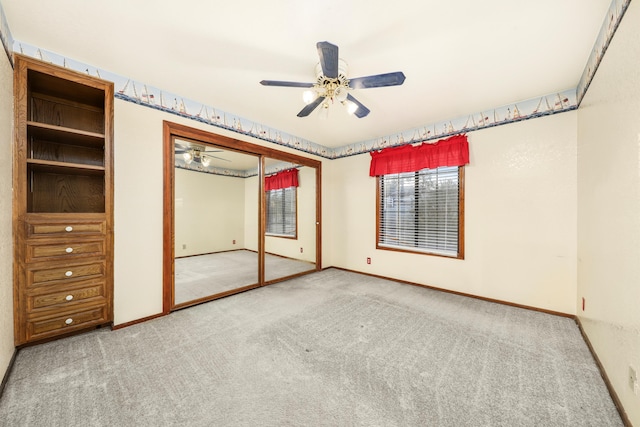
[[332, 83], [197, 154]]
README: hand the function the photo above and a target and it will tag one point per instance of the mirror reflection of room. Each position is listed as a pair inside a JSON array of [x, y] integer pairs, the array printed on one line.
[[216, 221], [290, 219]]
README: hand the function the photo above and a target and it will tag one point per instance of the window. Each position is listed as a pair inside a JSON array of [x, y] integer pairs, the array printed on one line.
[[281, 212], [422, 211]]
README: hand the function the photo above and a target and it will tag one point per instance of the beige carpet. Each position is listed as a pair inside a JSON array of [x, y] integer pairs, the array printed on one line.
[[328, 349]]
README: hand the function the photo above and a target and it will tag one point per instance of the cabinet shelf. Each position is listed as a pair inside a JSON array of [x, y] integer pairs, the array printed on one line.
[[64, 135], [49, 166]]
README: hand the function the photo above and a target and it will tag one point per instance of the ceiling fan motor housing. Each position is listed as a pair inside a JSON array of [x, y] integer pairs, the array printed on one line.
[[326, 85], [341, 80]]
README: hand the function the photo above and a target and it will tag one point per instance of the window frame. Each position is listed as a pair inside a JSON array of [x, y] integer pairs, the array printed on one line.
[[387, 247], [266, 221]]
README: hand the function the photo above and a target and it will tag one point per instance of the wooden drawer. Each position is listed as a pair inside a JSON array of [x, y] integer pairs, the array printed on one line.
[[65, 227], [41, 275], [62, 297], [73, 320], [69, 250]]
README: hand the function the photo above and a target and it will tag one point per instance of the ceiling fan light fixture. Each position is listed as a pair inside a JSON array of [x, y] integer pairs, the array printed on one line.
[[341, 93], [188, 157], [308, 96], [206, 161]]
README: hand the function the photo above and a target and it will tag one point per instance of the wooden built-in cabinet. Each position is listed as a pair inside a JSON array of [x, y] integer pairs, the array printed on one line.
[[63, 201]]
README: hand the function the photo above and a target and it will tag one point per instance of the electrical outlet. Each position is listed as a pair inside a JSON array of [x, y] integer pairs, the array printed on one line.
[[300, 250], [368, 260], [184, 246], [234, 242], [633, 378]]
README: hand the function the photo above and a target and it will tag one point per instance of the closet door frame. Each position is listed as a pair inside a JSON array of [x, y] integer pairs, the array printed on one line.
[[171, 131]]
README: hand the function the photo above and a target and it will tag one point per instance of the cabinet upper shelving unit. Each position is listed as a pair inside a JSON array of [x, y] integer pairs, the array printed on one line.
[[65, 142]]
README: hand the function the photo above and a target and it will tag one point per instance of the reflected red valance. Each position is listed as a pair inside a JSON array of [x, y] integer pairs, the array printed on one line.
[[453, 151], [284, 179]]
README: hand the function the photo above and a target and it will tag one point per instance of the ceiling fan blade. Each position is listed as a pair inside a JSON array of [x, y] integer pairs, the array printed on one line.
[[362, 111], [181, 151], [309, 108], [286, 84], [379, 80], [328, 54]]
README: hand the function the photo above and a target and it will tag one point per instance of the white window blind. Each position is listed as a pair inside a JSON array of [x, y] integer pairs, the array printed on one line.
[[281, 212], [419, 211]]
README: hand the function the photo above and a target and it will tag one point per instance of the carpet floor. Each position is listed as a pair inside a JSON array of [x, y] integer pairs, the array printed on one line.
[[211, 274], [332, 348]]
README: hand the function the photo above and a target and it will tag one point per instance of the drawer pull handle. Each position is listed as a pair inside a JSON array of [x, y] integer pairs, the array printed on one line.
[[68, 321], [69, 297], [69, 273], [69, 250], [68, 228]]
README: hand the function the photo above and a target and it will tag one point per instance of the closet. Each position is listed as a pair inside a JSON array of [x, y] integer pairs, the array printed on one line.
[[217, 209], [63, 201]]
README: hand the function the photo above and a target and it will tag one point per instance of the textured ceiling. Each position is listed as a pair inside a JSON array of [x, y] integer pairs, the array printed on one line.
[[459, 56]]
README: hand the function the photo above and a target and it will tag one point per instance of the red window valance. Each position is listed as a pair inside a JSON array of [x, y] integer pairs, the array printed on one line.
[[453, 151], [284, 179]]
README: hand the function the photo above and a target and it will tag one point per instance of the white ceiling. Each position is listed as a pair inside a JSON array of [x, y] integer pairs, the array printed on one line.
[[459, 56]]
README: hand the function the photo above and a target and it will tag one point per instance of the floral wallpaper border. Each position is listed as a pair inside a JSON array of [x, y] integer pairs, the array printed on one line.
[[608, 29], [148, 96], [5, 35]]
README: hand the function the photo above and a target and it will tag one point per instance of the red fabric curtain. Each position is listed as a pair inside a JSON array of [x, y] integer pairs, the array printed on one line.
[[453, 151], [284, 179]]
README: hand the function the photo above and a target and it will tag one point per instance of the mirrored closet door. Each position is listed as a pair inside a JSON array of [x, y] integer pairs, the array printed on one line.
[[215, 221], [237, 216], [290, 219]]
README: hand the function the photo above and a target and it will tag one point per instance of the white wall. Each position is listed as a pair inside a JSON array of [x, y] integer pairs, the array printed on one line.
[[6, 197], [138, 212], [209, 213], [609, 210], [520, 218]]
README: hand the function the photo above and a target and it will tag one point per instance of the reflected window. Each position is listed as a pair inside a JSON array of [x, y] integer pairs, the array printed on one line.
[[281, 212]]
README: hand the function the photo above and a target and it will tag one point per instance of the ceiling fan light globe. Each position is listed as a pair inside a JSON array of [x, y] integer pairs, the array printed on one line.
[[341, 93], [308, 96], [188, 157], [205, 161]]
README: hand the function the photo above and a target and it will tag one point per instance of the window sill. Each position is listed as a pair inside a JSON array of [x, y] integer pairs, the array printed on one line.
[[418, 251]]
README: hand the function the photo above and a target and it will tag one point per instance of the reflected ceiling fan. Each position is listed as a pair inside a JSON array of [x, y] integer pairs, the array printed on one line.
[[197, 154], [332, 83]]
